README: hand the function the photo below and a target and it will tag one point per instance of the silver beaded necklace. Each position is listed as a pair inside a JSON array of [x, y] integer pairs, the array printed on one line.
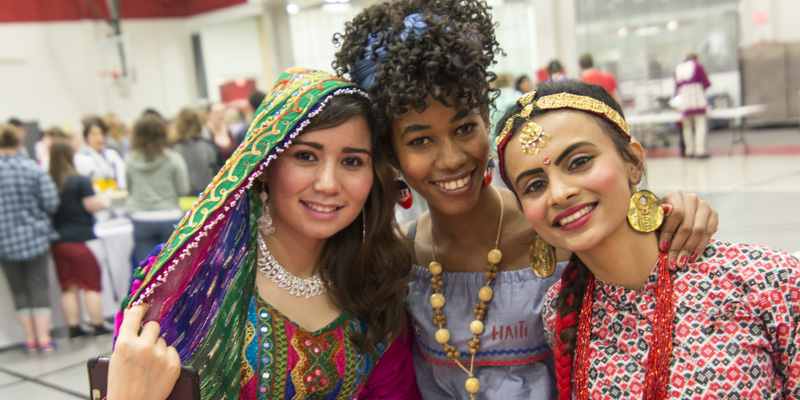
[[268, 265]]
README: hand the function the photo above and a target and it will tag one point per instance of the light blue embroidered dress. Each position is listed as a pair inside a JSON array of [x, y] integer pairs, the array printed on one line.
[[515, 360]]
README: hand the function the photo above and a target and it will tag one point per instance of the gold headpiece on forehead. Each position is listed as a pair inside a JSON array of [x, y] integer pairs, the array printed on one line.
[[533, 136]]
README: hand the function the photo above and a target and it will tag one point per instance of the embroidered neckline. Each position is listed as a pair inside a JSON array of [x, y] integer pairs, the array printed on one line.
[[339, 321]]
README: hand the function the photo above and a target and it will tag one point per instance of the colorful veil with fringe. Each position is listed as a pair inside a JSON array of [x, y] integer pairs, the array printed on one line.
[[198, 283]]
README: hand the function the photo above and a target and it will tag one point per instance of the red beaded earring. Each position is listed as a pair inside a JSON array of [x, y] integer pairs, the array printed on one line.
[[404, 196], [489, 175]]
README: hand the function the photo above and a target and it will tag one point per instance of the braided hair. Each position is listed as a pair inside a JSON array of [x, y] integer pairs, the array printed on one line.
[[575, 277], [417, 51], [574, 280]]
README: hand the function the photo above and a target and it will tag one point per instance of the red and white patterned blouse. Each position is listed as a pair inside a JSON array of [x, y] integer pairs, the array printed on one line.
[[737, 328]]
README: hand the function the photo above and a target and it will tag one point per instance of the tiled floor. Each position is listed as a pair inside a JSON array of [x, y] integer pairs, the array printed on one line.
[[60, 374], [756, 196]]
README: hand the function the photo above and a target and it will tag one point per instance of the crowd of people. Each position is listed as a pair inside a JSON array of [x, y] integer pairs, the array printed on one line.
[[52, 196]]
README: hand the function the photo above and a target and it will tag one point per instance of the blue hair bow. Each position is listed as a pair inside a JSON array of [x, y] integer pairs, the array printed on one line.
[[364, 69]]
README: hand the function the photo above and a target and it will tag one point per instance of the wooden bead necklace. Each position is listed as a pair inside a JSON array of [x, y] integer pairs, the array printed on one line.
[[485, 295], [657, 366]]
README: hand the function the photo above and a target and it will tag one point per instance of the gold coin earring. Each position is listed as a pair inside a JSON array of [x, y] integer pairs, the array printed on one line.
[[645, 213], [542, 257]]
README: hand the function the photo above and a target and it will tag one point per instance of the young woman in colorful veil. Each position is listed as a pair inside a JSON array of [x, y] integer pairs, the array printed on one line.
[[286, 279], [475, 303], [727, 326]]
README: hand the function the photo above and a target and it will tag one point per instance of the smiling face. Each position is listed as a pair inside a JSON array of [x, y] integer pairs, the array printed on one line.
[[576, 191], [319, 185], [443, 154]]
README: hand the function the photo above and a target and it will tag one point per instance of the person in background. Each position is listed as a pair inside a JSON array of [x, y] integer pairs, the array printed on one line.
[[27, 199], [253, 102], [19, 128], [523, 85], [217, 130], [555, 71], [542, 76], [74, 252], [102, 165], [42, 147], [117, 138], [199, 153], [234, 120], [153, 112], [157, 178], [590, 74], [691, 83], [508, 96]]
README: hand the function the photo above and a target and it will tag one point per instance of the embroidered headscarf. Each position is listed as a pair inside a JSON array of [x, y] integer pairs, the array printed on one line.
[[199, 283]]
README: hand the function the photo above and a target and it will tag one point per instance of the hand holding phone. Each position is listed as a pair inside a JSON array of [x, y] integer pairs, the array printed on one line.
[[186, 388], [142, 366]]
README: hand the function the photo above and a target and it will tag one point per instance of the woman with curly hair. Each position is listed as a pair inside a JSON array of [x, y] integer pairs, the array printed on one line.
[[425, 66]]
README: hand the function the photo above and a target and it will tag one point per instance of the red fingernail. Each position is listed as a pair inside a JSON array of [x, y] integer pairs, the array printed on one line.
[[665, 245], [682, 261], [672, 263], [667, 207], [693, 257]]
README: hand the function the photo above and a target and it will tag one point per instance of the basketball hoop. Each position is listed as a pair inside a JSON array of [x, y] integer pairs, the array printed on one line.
[[109, 74]]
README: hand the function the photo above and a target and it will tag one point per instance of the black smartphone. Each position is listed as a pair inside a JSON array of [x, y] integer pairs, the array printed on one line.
[[186, 388]]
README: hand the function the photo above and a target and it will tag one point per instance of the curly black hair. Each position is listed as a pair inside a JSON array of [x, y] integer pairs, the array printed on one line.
[[449, 62]]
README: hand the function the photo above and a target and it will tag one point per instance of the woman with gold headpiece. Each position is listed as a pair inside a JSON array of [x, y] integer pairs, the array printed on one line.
[[475, 304], [727, 326], [286, 278]]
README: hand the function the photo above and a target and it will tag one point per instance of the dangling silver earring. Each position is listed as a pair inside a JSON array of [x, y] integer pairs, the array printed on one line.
[[363, 226], [265, 220]]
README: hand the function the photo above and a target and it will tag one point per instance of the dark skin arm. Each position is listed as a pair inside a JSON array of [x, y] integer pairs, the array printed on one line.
[[689, 224]]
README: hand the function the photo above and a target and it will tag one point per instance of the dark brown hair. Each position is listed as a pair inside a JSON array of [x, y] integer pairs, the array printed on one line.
[[90, 121], [368, 279], [61, 167], [149, 136], [586, 61]]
